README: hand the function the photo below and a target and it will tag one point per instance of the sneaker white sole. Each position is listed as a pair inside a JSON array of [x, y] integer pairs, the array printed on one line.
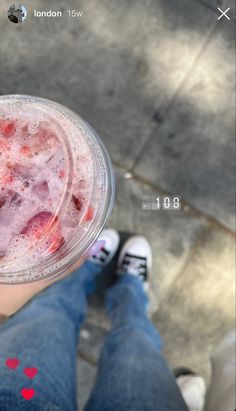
[[193, 389]]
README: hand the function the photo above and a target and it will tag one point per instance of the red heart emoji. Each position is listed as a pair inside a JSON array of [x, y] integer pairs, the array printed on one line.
[[12, 363], [30, 372], [27, 393]]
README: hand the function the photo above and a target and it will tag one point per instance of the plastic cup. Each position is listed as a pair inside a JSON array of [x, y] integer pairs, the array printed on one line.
[[56, 188]]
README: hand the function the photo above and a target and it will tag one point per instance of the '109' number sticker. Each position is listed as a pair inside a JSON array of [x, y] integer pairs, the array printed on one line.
[[154, 202]]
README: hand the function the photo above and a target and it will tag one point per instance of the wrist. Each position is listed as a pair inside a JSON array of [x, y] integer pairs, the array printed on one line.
[[12, 298]]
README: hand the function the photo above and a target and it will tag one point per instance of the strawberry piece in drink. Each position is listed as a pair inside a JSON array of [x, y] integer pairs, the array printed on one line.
[[11, 197], [45, 224], [7, 127], [4, 146], [41, 190], [19, 171], [14, 198], [40, 141], [77, 202], [44, 139], [89, 215], [2, 201], [25, 150]]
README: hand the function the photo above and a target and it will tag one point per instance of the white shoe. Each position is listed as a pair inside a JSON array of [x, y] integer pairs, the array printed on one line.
[[109, 240], [136, 259], [193, 389]]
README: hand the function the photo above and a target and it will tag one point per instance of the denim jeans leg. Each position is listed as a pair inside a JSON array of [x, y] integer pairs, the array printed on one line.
[[44, 335], [133, 375]]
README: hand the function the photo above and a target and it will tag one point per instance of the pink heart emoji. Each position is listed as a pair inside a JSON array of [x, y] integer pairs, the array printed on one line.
[[12, 363], [30, 372], [27, 393]]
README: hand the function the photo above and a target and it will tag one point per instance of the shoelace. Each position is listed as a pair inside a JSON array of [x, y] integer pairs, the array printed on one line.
[[135, 265]]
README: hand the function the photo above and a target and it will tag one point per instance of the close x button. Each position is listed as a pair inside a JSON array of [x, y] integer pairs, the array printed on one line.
[[223, 13]]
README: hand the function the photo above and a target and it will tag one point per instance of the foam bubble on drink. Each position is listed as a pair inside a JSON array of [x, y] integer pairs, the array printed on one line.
[[33, 176]]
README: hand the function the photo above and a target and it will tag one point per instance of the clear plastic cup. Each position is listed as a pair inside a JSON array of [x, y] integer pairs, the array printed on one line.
[[56, 188]]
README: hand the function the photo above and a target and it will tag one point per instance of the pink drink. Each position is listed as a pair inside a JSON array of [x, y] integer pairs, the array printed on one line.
[[56, 188]]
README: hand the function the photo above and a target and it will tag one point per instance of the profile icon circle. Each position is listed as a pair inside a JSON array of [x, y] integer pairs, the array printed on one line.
[[17, 13]]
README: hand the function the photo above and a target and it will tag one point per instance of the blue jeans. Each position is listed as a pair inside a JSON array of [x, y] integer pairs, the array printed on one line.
[[132, 374]]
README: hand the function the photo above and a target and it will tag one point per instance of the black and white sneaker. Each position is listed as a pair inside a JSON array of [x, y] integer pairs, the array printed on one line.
[[105, 247], [136, 259]]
